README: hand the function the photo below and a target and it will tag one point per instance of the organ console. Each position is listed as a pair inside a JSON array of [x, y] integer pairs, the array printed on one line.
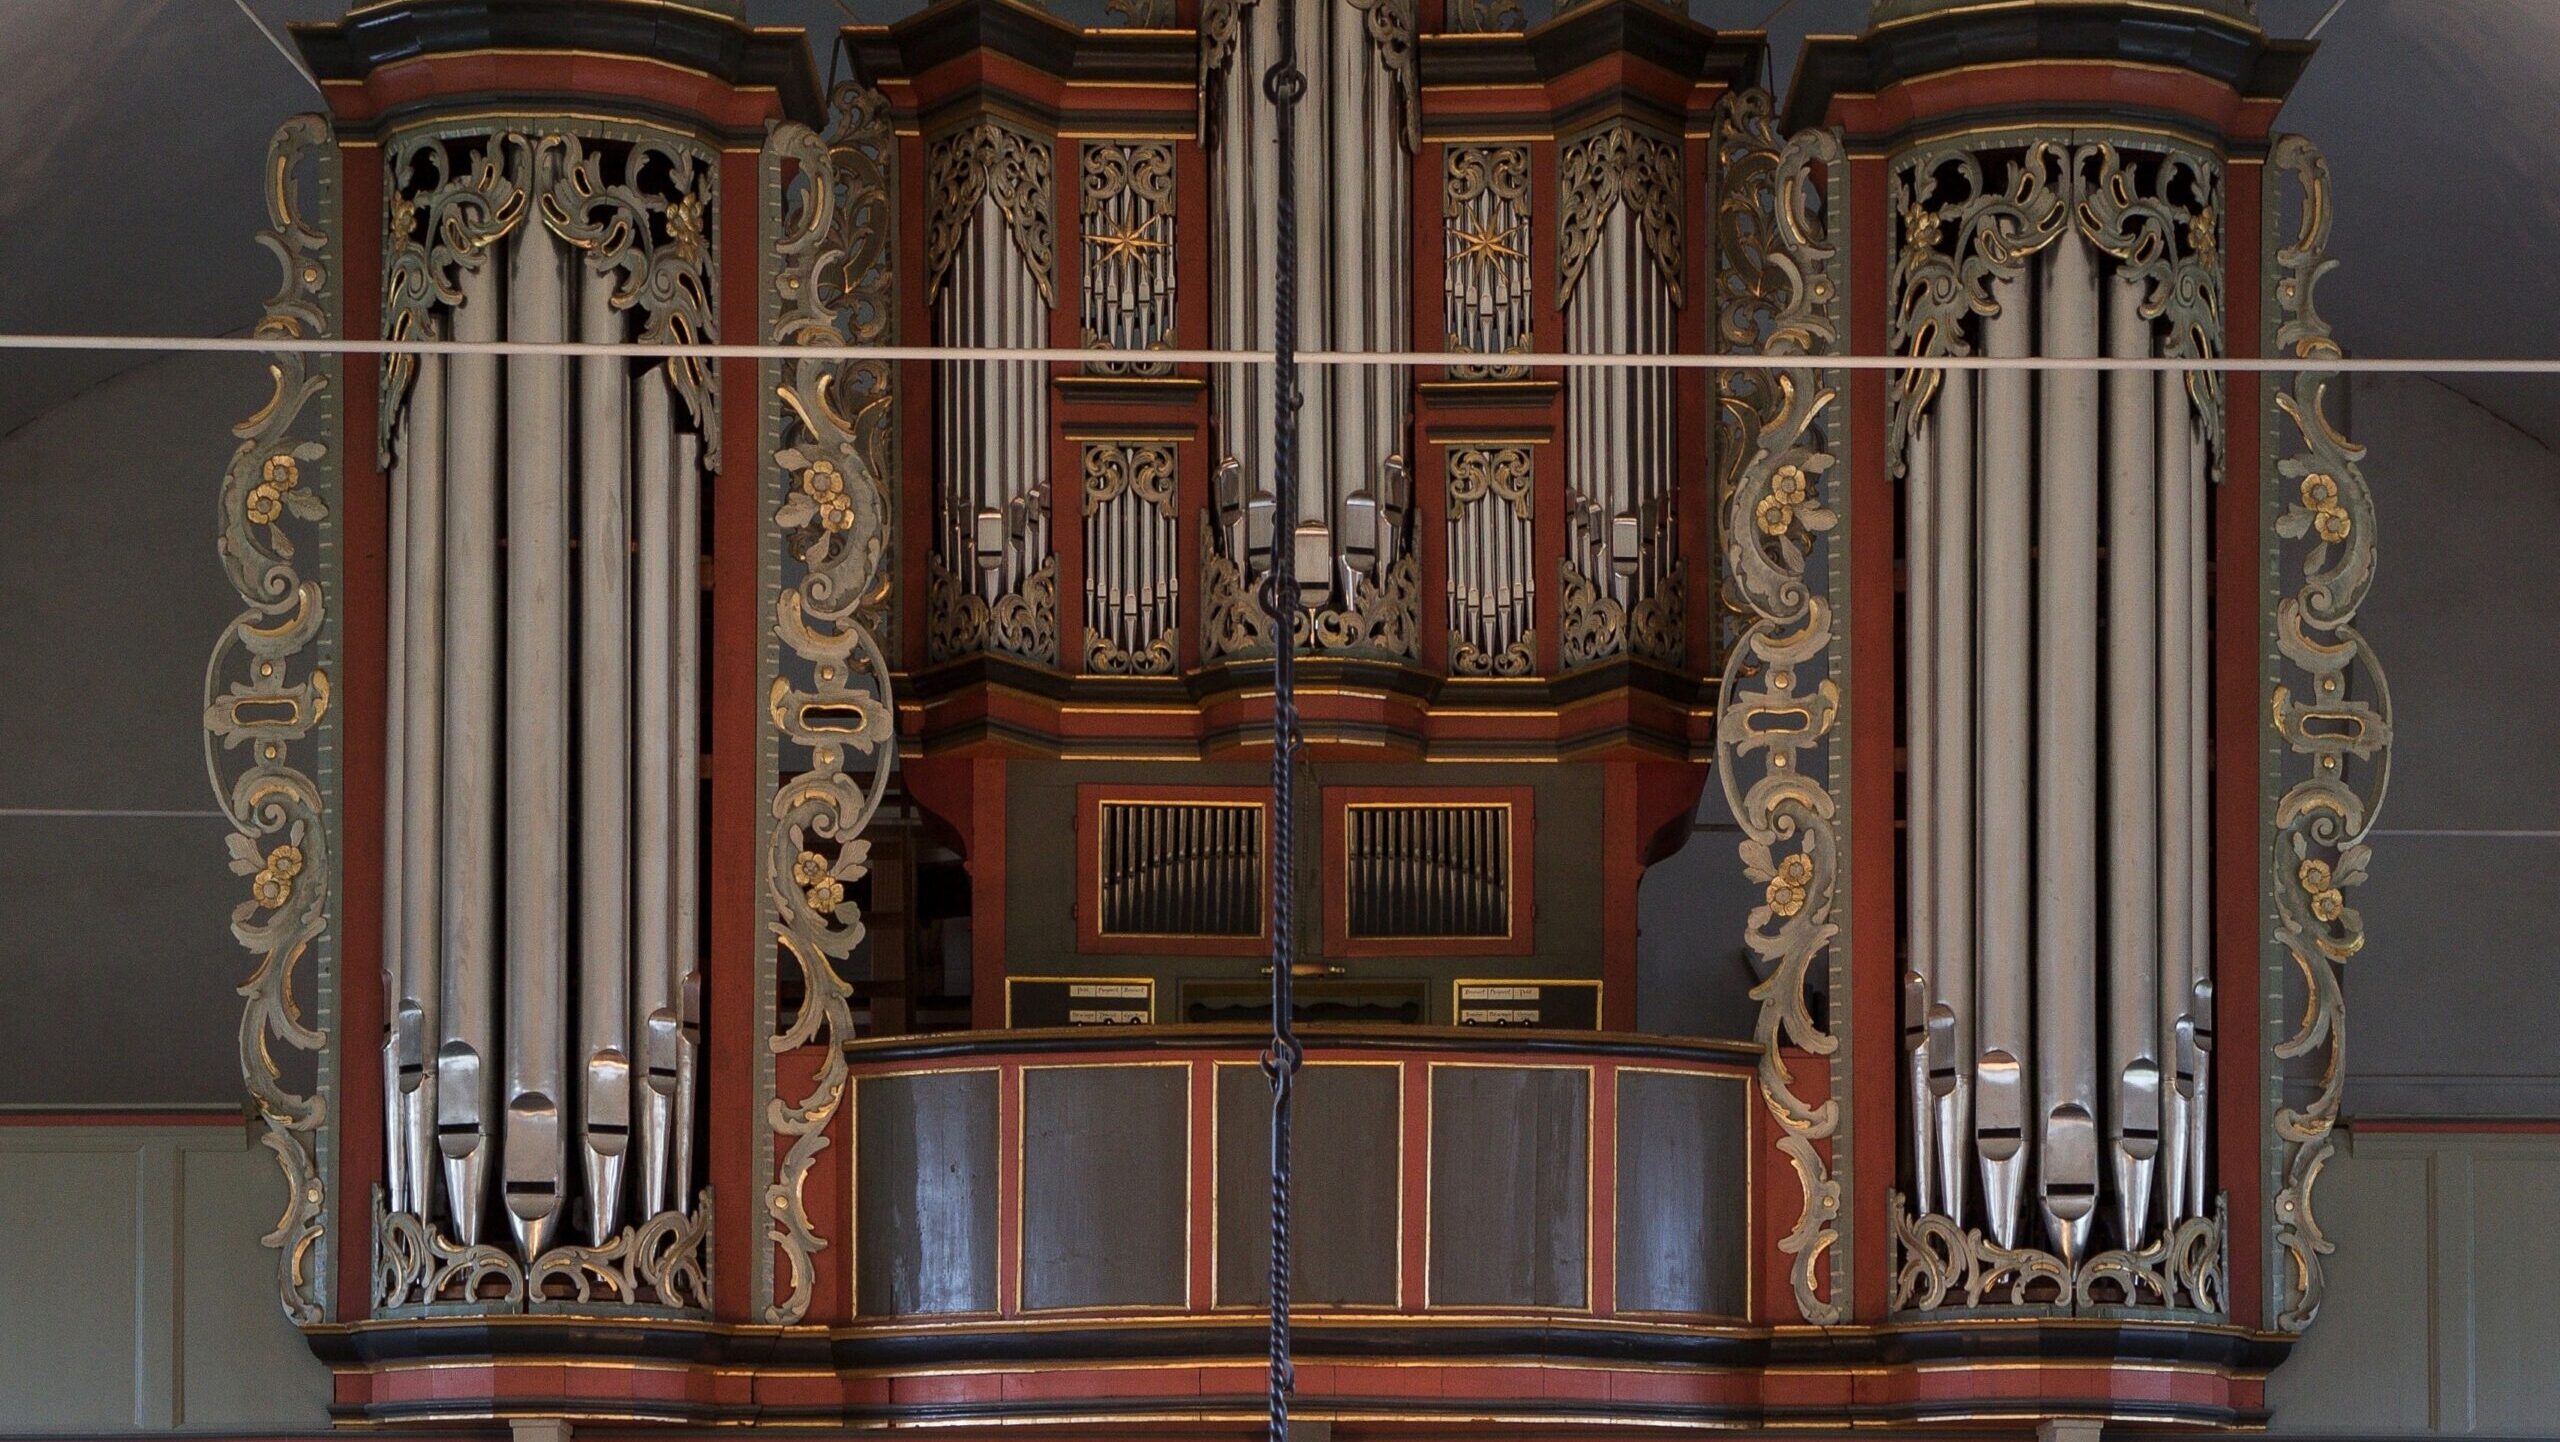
[[760, 844]]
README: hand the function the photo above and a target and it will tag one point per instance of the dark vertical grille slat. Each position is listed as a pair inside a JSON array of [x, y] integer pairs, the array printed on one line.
[[1181, 868], [1429, 871]]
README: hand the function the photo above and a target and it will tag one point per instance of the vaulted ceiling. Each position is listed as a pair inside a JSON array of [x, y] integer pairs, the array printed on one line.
[[133, 132]]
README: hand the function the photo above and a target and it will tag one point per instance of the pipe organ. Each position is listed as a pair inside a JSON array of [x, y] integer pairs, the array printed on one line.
[[750, 854]]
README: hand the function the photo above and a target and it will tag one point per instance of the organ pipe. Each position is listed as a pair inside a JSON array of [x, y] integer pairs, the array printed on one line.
[[466, 1080], [2134, 479], [604, 776], [2002, 1065], [1920, 542], [2066, 973], [1950, 1023], [653, 797]]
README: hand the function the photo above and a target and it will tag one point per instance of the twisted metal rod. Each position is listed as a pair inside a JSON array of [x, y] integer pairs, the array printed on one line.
[[1284, 84]]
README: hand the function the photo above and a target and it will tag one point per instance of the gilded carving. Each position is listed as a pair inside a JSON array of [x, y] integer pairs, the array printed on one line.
[[270, 738], [454, 198], [1391, 24], [1618, 164], [663, 1263], [1127, 227], [1484, 213], [2329, 708], [989, 158], [827, 679], [1477, 17], [1779, 743]]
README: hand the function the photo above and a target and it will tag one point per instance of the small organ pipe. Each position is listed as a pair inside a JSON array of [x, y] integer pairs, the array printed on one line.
[[685, 754], [415, 1007], [1950, 1072], [2199, 821], [604, 757], [537, 742], [2001, 986], [1919, 661], [466, 1080], [2066, 755], [653, 800], [2133, 679], [395, 824]]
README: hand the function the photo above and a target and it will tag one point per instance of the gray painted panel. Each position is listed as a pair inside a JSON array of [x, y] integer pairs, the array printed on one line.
[[1684, 1227], [925, 1179], [67, 1303], [2364, 1367], [242, 1364], [1510, 1186], [1104, 1213], [1345, 1219], [2516, 1281]]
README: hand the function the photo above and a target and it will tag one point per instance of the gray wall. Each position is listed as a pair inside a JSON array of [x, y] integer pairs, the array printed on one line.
[[135, 1294], [2439, 1318], [115, 900]]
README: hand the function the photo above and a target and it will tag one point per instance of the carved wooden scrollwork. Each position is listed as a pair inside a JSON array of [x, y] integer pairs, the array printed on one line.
[[991, 158], [827, 680], [1618, 164], [270, 734], [1779, 743], [2329, 709], [639, 207]]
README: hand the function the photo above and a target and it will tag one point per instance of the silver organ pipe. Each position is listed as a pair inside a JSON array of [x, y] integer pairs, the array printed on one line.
[[653, 795], [2001, 981], [684, 758], [1920, 607], [2132, 817], [542, 814], [466, 1077], [994, 419], [420, 998], [536, 741], [395, 808], [2066, 974], [604, 769], [2198, 878], [1950, 1024]]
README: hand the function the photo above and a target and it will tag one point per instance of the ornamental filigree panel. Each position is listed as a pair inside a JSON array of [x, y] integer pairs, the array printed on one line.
[[1131, 558], [1781, 734], [1492, 570], [637, 204], [826, 679], [273, 733], [990, 160], [1484, 216], [1619, 164], [2328, 708], [1127, 223]]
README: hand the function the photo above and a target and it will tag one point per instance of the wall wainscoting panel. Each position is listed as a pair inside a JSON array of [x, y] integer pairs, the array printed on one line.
[[194, 1341], [2439, 1320]]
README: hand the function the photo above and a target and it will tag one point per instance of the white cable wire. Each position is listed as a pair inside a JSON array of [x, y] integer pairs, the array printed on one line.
[[2323, 22], [281, 48], [2227, 365]]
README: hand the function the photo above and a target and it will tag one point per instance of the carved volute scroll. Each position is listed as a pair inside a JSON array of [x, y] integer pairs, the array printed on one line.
[[2328, 706], [1781, 745], [270, 730]]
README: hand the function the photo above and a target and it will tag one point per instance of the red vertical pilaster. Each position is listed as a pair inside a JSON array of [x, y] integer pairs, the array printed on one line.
[[2238, 721], [1874, 870], [364, 612], [731, 834]]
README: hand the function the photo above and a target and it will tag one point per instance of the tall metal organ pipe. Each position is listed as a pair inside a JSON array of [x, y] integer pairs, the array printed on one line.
[[466, 1077], [2001, 1068], [2133, 480], [1949, 1090], [604, 766]]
